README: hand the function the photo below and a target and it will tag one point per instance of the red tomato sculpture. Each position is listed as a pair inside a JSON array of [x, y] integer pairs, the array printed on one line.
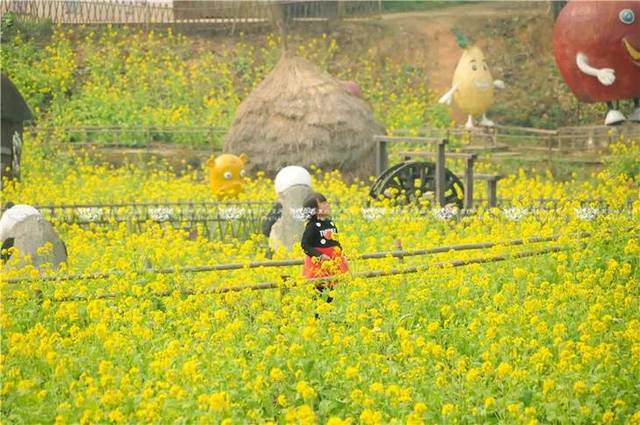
[[597, 49]]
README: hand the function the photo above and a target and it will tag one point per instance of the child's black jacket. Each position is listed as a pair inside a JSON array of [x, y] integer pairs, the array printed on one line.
[[319, 234]]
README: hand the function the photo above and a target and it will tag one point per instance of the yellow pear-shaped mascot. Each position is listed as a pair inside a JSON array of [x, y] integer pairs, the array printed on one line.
[[472, 86]]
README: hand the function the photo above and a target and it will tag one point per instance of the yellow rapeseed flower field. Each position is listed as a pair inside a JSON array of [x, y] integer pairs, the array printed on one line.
[[552, 338], [126, 77]]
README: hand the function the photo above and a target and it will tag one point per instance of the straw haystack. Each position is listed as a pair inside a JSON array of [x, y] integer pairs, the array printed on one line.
[[301, 115]]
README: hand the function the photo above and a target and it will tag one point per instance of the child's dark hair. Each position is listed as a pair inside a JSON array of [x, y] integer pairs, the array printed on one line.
[[310, 204]]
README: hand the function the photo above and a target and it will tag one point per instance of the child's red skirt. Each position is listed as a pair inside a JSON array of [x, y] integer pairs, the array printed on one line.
[[314, 267]]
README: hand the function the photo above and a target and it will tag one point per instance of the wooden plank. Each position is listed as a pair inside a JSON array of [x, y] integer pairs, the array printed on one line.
[[487, 177], [468, 182], [519, 157], [542, 149], [382, 157], [527, 129], [440, 172], [454, 155], [485, 148], [521, 137], [506, 154], [584, 128], [391, 139]]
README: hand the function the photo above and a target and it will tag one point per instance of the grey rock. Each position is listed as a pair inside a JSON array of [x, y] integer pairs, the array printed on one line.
[[33, 233]]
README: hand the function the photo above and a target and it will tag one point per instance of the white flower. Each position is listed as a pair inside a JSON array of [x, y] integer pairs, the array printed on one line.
[[586, 213], [515, 214], [160, 213], [373, 213], [302, 214], [90, 214], [231, 213], [444, 213]]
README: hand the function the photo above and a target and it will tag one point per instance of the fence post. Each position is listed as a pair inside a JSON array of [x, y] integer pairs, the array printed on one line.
[[440, 175], [492, 191], [38, 296], [147, 18], [381, 156], [468, 182], [283, 288], [398, 244]]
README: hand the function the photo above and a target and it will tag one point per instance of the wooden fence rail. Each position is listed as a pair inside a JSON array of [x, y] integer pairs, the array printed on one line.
[[221, 14], [288, 263], [562, 139], [240, 220], [287, 283], [500, 138], [213, 220], [134, 136]]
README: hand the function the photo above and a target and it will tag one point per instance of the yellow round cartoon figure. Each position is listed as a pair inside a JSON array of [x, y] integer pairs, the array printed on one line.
[[226, 174], [472, 86]]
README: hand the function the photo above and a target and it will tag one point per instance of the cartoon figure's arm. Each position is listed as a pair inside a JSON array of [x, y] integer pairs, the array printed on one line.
[[499, 84], [448, 96], [606, 76]]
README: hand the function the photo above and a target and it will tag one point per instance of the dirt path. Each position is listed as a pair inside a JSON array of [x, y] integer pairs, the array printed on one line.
[[432, 32]]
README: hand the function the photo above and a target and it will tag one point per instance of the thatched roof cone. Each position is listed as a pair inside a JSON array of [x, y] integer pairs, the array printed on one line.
[[302, 115]]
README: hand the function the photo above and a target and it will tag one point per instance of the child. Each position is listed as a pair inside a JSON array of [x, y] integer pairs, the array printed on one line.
[[320, 244]]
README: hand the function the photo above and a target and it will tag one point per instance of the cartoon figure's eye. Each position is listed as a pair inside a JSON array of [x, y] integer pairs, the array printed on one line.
[[227, 175], [242, 173], [627, 16], [484, 67], [475, 68]]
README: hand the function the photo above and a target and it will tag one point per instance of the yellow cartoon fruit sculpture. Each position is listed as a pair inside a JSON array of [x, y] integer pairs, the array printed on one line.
[[226, 174], [472, 86]]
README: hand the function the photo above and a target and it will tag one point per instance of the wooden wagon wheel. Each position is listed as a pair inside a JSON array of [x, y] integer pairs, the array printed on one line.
[[408, 181]]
